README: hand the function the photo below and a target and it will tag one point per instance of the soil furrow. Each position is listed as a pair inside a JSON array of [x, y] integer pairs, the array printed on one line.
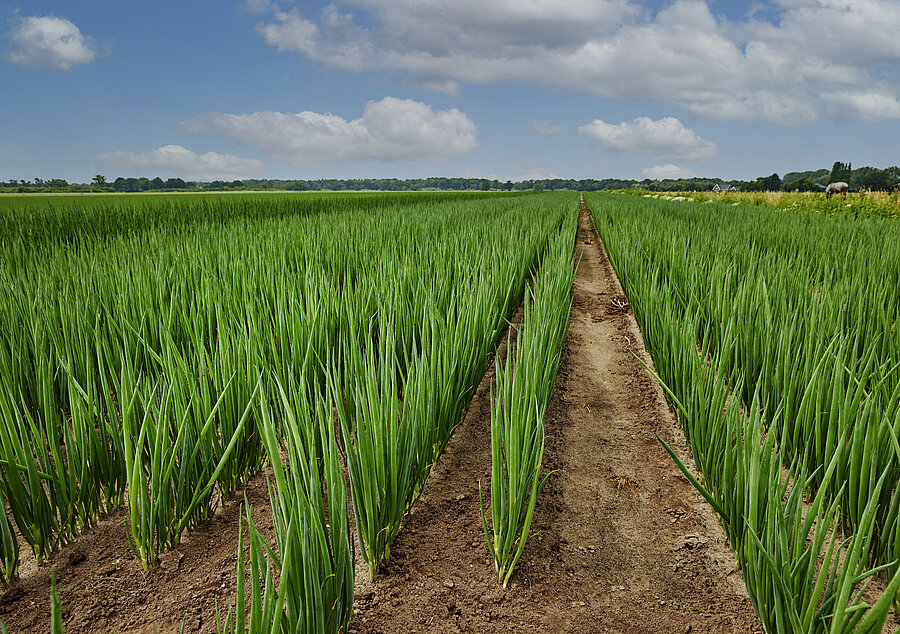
[[623, 542]]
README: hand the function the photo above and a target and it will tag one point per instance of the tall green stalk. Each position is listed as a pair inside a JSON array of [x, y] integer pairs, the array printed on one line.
[[9, 546], [522, 393], [314, 562]]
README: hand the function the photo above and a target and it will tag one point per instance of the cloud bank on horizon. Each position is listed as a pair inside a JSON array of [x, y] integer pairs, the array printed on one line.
[[814, 59], [177, 160]]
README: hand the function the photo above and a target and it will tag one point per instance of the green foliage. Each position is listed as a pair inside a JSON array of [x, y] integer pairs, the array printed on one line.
[[314, 563], [820, 177], [523, 388], [763, 184], [801, 185], [792, 406], [143, 339], [56, 624], [841, 172], [9, 546]]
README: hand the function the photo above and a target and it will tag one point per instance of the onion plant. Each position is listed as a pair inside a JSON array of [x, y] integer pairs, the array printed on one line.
[[307, 586], [774, 336], [56, 624], [9, 546], [386, 448], [174, 461], [522, 393]]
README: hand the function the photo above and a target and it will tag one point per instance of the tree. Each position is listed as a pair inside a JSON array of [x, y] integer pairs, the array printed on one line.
[[99, 179], [768, 183], [872, 178], [841, 172], [802, 184]]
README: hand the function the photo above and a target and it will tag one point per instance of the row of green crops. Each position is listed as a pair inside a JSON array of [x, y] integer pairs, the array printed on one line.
[[399, 383], [308, 585], [523, 388], [774, 334], [140, 341]]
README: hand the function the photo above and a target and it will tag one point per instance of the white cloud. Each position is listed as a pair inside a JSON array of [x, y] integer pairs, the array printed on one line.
[[776, 70], [175, 160], [449, 87], [390, 130], [865, 106], [530, 170], [49, 41], [666, 137], [545, 129], [336, 39], [660, 172]]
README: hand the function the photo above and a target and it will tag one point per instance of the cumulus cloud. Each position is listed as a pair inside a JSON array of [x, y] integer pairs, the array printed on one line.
[[389, 130], [49, 41], [335, 39], [865, 106], [660, 172], [666, 137], [777, 70], [175, 160], [545, 129]]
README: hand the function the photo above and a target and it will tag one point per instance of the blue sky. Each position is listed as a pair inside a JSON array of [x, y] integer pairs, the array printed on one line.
[[506, 89]]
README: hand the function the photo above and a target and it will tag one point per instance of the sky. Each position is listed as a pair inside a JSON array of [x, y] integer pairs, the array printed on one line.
[[506, 89]]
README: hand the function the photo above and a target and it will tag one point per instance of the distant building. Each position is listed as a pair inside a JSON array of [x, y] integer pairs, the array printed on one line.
[[724, 187]]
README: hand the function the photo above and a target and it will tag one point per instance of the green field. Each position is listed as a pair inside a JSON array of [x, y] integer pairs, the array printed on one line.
[[776, 335], [155, 350]]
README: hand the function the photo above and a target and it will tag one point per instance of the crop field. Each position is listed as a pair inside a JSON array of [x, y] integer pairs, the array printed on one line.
[[776, 336], [156, 351], [433, 412]]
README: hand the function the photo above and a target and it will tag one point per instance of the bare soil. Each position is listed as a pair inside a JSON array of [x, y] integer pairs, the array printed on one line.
[[621, 541]]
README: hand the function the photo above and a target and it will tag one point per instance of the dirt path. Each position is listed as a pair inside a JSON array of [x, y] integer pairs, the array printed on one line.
[[624, 543]]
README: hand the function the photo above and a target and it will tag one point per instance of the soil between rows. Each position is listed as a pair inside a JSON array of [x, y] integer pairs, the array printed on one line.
[[621, 541]]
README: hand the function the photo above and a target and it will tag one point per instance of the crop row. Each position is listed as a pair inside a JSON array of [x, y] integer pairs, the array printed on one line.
[[132, 360], [155, 356], [519, 403], [775, 337]]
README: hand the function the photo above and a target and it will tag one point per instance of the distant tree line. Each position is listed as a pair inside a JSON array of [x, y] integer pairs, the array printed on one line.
[[864, 177], [147, 185]]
